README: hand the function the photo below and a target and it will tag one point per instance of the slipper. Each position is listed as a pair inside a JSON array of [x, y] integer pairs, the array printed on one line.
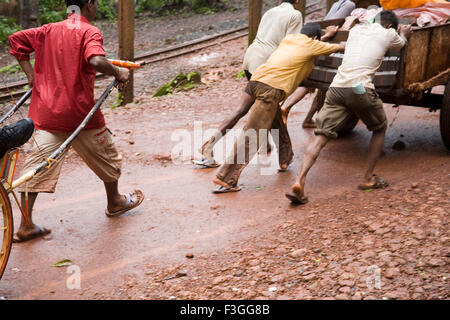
[[377, 184], [295, 199], [221, 189], [38, 232], [206, 163], [133, 200]]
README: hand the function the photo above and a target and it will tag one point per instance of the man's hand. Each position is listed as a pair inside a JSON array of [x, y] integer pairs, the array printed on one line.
[[330, 31], [342, 45], [101, 64], [405, 31], [122, 74]]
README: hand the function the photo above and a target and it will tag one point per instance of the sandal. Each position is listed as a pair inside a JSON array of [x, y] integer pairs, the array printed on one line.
[[38, 232], [133, 200], [222, 189], [379, 183], [206, 163], [296, 199]]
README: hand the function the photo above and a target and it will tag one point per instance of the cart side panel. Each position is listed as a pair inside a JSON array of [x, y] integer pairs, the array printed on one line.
[[427, 54], [417, 56], [439, 51]]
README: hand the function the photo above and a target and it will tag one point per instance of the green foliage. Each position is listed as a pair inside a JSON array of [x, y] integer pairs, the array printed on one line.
[[13, 68], [52, 11], [179, 83], [182, 6], [118, 101], [241, 74], [55, 10], [7, 27], [106, 10]]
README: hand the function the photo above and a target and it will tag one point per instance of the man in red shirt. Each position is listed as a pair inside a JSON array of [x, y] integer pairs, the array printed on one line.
[[67, 56]]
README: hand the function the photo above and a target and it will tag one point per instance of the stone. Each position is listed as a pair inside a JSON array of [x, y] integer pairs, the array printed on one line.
[[391, 273], [219, 280], [345, 290], [298, 253], [341, 297]]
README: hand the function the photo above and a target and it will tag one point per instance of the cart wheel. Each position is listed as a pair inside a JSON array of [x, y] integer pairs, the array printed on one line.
[[444, 118], [6, 229], [349, 126]]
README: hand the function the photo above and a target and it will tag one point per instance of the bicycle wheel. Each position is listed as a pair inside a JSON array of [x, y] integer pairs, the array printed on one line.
[[6, 229]]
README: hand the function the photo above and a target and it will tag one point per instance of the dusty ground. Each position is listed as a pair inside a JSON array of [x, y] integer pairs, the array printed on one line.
[[344, 244]]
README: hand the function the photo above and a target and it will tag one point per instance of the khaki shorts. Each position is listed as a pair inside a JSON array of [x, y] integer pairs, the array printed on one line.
[[95, 147], [342, 104]]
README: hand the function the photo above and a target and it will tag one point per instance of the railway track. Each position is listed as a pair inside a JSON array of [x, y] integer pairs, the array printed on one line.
[[16, 89]]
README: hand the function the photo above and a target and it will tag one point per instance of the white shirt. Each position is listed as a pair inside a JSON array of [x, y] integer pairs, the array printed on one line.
[[366, 46], [275, 24]]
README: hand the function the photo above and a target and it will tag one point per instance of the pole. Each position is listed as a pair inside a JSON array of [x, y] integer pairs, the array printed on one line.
[[126, 43], [254, 17], [17, 105], [66, 144]]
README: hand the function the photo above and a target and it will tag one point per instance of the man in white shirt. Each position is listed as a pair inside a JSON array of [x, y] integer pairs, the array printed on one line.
[[275, 24], [352, 91]]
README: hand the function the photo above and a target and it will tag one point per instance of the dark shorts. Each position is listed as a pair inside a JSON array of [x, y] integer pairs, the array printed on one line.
[[341, 104], [249, 76]]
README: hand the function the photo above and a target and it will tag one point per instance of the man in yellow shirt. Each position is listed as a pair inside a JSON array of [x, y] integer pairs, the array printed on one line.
[[353, 92], [275, 24], [276, 79]]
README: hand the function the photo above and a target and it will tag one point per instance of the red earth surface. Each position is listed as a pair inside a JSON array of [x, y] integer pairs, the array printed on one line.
[[185, 242]]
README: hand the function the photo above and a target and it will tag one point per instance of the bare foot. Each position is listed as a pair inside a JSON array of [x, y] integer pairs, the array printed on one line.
[[309, 125]]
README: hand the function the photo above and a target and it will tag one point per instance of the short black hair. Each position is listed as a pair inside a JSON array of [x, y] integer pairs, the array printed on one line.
[[312, 30], [290, 1], [79, 3], [387, 17]]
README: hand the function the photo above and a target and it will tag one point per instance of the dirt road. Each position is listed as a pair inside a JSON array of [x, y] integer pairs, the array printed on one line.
[[250, 244]]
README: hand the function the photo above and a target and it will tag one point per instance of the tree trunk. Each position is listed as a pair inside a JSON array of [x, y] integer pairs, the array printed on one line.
[[29, 13]]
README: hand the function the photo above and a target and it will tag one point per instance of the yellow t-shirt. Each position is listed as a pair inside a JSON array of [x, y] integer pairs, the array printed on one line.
[[292, 62]]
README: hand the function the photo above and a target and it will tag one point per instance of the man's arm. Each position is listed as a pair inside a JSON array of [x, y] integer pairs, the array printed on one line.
[[21, 46], [405, 31], [28, 69], [102, 65]]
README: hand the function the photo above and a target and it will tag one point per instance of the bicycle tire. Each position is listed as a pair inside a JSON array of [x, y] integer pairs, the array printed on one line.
[[7, 229]]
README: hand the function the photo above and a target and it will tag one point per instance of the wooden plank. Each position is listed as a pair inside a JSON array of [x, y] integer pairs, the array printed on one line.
[[126, 43], [416, 57], [438, 52], [332, 22], [254, 17]]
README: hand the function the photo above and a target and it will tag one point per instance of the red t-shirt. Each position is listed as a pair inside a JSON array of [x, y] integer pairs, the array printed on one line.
[[63, 89]]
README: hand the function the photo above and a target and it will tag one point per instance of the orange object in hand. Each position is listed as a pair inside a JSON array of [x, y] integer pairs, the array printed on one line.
[[125, 64]]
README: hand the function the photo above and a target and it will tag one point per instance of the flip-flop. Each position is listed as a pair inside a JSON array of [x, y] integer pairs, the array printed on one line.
[[206, 163], [221, 189], [379, 183], [39, 232], [295, 199], [133, 200]]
